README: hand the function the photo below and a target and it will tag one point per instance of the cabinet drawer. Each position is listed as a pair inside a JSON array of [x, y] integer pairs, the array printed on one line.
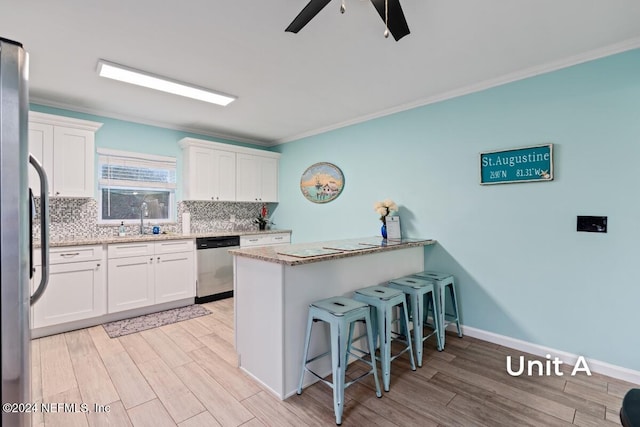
[[280, 238], [264, 239], [173, 246], [130, 249], [254, 240], [70, 254]]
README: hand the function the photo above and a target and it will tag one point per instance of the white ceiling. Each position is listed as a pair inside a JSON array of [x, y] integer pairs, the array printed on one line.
[[338, 70]]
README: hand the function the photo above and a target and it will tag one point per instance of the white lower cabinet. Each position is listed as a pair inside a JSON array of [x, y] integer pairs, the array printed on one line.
[[76, 289], [165, 273], [131, 283], [174, 277]]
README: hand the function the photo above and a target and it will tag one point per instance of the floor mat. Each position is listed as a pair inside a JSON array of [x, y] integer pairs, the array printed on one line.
[[153, 320]]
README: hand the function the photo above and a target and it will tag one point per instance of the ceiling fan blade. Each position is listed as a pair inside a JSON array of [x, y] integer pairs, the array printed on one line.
[[397, 23], [306, 15]]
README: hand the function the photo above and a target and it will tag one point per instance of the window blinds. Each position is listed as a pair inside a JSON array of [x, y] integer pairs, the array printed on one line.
[[129, 169]]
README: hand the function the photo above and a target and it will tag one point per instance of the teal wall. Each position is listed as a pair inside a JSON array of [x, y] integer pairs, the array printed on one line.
[[129, 136], [522, 268]]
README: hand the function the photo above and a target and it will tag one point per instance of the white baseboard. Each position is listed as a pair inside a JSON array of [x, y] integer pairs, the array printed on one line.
[[598, 366]]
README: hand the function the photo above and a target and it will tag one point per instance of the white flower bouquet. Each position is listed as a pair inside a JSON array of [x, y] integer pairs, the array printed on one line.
[[385, 208]]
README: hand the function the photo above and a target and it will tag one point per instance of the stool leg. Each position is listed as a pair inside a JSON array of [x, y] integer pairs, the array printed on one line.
[[431, 305], [338, 347], [372, 352], [305, 353], [418, 324], [441, 309], [383, 323], [350, 327], [454, 303], [405, 319]]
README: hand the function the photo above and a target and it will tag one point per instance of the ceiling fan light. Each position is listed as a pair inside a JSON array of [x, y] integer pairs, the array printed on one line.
[[141, 78]]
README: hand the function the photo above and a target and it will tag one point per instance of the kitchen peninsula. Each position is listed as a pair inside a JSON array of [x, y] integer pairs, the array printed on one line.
[[274, 285]]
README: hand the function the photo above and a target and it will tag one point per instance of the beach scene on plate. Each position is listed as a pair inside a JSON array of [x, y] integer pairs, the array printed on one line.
[[321, 182]]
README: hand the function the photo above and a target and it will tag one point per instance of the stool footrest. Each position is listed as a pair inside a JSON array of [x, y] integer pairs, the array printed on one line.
[[330, 384], [317, 357], [394, 357]]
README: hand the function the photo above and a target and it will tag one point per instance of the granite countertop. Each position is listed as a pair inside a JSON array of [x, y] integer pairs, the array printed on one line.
[[133, 238], [323, 251]]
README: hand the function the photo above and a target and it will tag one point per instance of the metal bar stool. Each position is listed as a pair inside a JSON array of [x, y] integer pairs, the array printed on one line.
[[630, 411], [442, 282], [421, 296], [340, 313], [382, 301]]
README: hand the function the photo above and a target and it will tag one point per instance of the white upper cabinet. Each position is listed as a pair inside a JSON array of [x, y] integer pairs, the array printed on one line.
[[223, 172], [41, 147], [66, 149], [257, 178], [208, 174]]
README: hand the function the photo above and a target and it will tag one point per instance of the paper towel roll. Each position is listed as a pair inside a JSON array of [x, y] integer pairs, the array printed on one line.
[[186, 223]]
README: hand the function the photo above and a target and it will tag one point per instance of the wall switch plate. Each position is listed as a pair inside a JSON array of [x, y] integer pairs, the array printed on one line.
[[592, 224]]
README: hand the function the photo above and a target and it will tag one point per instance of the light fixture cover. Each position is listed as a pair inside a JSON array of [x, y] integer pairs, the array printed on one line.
[[125, 74]]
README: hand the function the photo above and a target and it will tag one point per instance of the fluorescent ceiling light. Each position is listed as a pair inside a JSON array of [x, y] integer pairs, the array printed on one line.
[[141, 78]]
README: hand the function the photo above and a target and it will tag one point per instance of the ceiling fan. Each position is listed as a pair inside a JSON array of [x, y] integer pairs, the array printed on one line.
[[389, 10]]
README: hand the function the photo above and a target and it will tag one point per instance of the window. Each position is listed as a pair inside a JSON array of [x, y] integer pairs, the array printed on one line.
[[126, 180]]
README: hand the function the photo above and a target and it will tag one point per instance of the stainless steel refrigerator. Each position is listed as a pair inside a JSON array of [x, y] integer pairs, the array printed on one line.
[[16, 213]]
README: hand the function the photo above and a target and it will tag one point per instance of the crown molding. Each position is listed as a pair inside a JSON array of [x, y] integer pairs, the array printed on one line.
[[51, 119], [237, 149], [478, 87], [111, 115]]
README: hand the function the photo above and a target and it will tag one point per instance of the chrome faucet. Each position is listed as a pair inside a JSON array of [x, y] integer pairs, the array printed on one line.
[[144, 212]]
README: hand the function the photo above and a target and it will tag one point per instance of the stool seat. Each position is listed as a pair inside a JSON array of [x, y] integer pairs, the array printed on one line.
[[420, 294], [381, 292], [434, 275], [382, 301], [340, 313], [338, 306], [412, 283], [443, 282]]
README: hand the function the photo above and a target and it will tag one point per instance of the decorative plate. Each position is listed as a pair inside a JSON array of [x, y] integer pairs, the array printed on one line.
[[322, 182]]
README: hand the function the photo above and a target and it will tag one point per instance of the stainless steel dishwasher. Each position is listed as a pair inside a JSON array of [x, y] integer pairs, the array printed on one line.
[[215, 267]]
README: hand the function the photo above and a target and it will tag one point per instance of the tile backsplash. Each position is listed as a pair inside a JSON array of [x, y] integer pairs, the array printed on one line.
[[78, 218]]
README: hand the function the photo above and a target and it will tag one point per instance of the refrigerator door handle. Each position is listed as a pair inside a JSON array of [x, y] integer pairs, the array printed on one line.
[[32, 214], [44, 229]]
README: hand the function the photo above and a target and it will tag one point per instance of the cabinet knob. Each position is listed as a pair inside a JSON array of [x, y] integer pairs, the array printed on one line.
[[151, 259], [158, 258], [97, 265], [57, 193]]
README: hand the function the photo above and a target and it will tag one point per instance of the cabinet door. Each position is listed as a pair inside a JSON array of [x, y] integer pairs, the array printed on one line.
[[225, 176], [131, 283], [175, 277], [248, 178], [73, 162], [41, 146], [268, 179], [75, 291], [200, 177]]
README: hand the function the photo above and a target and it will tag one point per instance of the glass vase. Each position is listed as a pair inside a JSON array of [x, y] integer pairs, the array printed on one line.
[[383, 231]]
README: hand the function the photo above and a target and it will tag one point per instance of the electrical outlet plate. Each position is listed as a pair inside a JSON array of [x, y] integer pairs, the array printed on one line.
[[592, 224]]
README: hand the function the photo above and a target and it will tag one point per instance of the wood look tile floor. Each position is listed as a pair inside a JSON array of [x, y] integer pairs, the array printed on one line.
[[184, 375]]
